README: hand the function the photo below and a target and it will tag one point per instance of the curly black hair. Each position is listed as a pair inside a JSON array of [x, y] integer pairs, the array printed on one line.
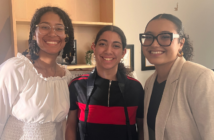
[[187, 47], [121, 67], [69, 46]]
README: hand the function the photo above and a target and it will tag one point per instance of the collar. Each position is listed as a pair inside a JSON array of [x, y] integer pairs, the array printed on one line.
[[174, 72], [122, 79], [176, 69]]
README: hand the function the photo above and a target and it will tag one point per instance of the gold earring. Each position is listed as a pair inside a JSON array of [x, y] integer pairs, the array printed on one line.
[[180, 54], [67, 38], [35, 53]]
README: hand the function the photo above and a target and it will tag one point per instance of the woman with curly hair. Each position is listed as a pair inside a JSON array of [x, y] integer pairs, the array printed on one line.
[[179, 95], [34, 95]]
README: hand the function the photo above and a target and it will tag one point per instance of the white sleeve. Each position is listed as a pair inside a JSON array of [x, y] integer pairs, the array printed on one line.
[[201, 102], [11, 81]]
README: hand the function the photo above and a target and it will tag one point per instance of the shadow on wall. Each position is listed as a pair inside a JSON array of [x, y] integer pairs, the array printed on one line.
[[6, 48]]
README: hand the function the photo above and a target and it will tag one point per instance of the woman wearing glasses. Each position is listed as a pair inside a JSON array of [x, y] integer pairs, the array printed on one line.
[[179, 95], [34, 95]]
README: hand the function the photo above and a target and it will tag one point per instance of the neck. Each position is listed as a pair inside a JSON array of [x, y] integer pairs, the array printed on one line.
[[107, 74], [163, 71], [47, 61]]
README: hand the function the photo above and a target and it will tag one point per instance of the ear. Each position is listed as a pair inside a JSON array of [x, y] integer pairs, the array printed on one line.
[[182, 41], [124, 52], [93, 47], [34, 36]]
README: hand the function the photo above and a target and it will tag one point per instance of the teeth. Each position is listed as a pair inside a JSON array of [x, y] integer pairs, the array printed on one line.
[[156, 52], [51, 42], [108, 59]]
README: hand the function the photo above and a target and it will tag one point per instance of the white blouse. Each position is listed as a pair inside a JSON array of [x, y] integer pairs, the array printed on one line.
[[26, 96]]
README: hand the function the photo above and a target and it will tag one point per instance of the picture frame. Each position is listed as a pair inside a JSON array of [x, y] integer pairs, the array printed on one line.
[[62, 61], [128, 58], [145, 65], [74, 62]]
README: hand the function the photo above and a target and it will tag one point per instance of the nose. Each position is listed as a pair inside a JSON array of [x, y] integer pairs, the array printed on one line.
[[155, 42], [52, 32], [108, 48]]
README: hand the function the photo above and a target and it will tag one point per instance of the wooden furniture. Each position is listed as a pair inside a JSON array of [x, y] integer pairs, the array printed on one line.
[[88, 17]]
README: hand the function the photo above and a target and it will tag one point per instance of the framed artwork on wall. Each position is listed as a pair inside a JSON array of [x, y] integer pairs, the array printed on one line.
[[74, 62], [145, 65], [62, 61], [128, 59]]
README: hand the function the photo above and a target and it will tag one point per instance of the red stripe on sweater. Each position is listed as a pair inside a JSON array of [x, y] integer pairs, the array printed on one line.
[[132, 79], [107, 115], [76, 79], [85, 75]]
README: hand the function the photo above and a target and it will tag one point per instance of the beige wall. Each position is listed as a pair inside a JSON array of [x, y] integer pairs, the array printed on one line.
[[197, 17], [132, 16], [6, 49]]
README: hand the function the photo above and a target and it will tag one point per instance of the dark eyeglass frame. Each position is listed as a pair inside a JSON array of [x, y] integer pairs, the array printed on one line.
[[172, 35]]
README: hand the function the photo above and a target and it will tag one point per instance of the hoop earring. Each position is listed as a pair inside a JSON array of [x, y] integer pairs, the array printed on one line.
[[180, 54]]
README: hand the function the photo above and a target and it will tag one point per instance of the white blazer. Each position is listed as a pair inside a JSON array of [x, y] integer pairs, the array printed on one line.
[[186, 111]]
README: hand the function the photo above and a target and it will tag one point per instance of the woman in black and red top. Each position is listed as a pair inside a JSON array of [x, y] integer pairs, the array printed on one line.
[[106, 103]]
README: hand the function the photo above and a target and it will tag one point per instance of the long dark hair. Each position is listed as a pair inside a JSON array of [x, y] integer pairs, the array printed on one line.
[[117, 30], [187, 48], [69, 46]]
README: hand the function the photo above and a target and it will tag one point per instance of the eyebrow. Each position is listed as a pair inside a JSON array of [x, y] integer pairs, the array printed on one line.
[[117, 42], [107, 41], [149, 32], [103, 40]]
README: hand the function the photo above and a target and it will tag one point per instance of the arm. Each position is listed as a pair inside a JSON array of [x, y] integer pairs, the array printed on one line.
[[201, 100], [139, 117], [11, 84], [71, 125], [140, 128]]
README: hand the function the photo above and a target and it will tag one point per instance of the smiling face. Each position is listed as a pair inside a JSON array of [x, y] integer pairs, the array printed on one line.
[[159, 55], [50, 42], [108, 51]]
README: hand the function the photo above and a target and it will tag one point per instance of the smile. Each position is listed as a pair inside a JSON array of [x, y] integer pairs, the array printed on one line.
[[108, 59], [51, 42], [156, 52]]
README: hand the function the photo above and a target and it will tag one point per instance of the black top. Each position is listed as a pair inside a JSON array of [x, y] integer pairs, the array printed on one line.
[[106, 119], [154, 103]]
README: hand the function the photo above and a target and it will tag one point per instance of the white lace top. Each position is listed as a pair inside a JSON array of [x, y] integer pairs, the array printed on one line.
[[29, 97]]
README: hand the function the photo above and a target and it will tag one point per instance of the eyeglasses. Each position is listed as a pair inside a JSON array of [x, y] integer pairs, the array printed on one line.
[[44, 28], [163, 39]]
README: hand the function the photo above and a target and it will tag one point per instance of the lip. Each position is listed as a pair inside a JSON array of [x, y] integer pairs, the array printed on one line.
[[156, 52], [51, 42], [107, 59]]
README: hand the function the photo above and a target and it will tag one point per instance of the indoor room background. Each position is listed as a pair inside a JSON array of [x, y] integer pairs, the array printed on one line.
[[132, 16]]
